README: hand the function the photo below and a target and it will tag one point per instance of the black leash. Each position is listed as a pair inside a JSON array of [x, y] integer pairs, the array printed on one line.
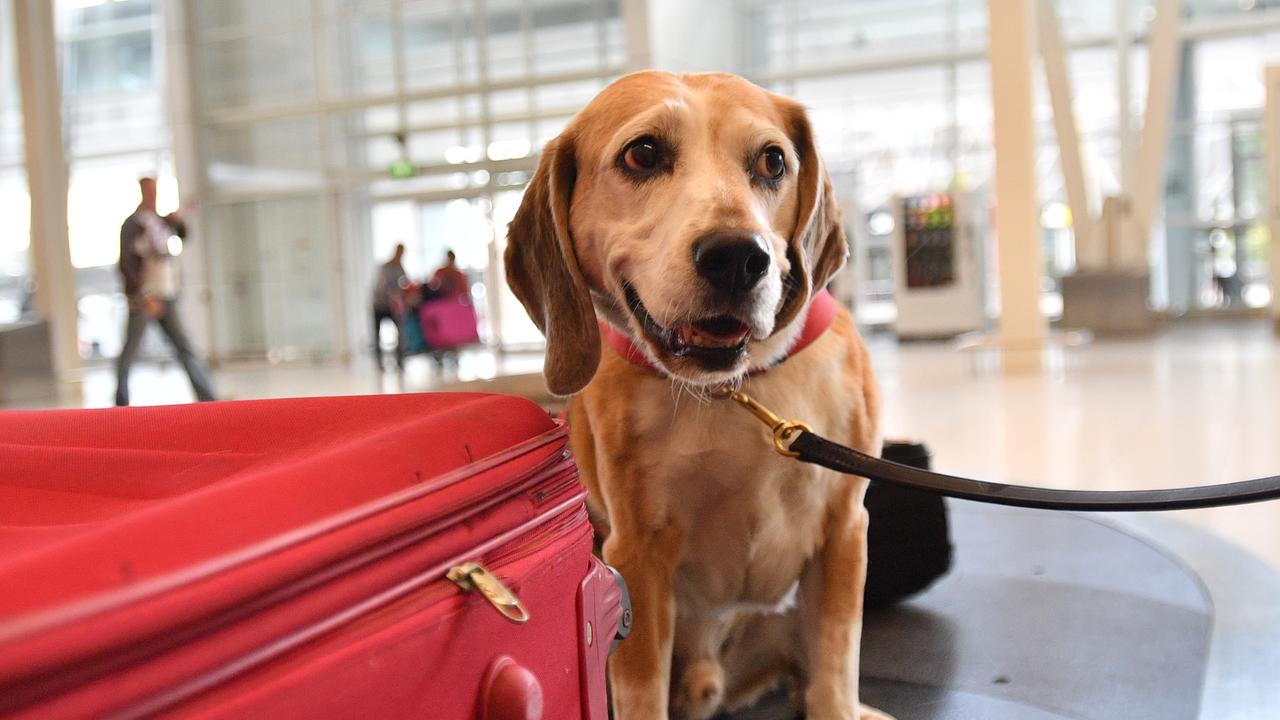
[[797, 440], [813, 448]]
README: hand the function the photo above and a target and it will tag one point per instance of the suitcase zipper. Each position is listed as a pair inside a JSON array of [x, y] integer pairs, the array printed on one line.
[[470, 576], [553, 530], [504, 556], [474, 576], [497, 555], [510, 553]]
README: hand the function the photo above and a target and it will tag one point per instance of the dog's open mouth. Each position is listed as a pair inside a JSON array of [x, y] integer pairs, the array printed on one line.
[[716, 342]]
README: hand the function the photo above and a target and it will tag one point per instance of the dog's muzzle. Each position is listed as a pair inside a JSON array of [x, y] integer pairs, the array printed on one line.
[[714, 343]]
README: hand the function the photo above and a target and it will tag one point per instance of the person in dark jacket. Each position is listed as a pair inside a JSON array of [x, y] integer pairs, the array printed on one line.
[[389, 303], [149, 269]]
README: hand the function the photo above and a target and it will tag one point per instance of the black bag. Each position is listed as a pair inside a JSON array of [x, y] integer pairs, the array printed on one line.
[[908, 543]]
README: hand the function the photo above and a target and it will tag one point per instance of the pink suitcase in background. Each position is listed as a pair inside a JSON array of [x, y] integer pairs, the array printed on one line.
[[448, 323]]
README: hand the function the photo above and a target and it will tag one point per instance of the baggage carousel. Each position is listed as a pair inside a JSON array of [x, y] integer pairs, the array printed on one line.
[[1046, 616]]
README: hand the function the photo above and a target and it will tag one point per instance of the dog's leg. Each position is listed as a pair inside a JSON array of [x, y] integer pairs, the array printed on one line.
[[697, 680], [831, 611], [640, 670]]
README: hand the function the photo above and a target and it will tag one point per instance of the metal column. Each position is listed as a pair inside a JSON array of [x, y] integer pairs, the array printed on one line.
[[1179, 184], [1022, 326], [180, 92], [47, 173], [1271, 130]]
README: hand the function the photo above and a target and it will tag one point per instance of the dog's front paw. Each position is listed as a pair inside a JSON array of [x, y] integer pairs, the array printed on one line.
[[870, 713], [700, 691], [821, 705], [829, 702]]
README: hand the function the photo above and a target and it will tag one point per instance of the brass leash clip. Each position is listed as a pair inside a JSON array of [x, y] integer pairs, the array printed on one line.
[[783, 430]]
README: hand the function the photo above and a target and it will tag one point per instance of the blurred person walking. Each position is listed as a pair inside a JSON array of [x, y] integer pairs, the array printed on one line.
[[389, 304], [152, 280]]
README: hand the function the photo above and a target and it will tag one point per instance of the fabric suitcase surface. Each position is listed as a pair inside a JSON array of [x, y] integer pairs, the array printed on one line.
[[292, 558], [448, 323]]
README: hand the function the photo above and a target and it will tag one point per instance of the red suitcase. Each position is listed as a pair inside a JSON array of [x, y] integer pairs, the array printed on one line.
[[448, 323], [364, 557]]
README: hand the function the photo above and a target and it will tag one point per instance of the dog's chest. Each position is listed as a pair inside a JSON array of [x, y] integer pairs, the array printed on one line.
[[752, 517]]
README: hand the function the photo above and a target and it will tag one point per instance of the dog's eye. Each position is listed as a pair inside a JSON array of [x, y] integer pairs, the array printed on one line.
[[642, 155], [771, 163]]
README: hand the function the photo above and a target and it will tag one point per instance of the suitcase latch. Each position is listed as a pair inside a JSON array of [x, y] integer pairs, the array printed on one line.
[[474, 576]]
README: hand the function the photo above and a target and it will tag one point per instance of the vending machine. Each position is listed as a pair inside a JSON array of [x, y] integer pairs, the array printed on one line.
[[938, 264]]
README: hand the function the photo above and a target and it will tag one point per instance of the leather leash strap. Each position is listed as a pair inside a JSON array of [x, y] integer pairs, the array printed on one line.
[[797, 440]]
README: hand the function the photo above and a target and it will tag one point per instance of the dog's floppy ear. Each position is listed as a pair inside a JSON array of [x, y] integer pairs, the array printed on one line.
[[818, 247], [543, 272]]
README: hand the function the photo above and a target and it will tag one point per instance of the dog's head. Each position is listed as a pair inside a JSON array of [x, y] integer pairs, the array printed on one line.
[[691, 212]]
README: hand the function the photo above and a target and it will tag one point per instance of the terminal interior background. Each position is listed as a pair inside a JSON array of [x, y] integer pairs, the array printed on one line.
[[287, 127]]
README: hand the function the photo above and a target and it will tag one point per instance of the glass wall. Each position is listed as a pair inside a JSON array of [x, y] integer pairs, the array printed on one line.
[[1224, 216], [329, 130], [413, 121], [115, 122], [900, 97]]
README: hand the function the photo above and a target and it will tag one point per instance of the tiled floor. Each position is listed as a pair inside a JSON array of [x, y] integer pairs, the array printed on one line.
[[1198, 404]]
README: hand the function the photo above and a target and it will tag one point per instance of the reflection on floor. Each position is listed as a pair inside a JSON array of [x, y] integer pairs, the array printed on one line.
[[162, 383], [1198, 404]]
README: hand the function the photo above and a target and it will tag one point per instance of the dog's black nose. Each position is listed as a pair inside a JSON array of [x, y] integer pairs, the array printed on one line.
[[733, 261]]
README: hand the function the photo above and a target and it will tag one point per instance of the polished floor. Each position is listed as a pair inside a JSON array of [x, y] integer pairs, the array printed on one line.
[[1197, 404]]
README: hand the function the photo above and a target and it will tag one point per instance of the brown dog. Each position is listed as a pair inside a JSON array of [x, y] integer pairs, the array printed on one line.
[[691, 212]]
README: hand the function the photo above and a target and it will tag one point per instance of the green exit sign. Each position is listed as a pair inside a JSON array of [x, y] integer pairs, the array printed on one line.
[[400, 169]]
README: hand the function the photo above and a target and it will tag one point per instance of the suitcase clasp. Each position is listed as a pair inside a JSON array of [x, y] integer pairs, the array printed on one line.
[[474, 576]]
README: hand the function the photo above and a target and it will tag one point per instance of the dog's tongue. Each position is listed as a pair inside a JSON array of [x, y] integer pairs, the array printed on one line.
[[718, 332]]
